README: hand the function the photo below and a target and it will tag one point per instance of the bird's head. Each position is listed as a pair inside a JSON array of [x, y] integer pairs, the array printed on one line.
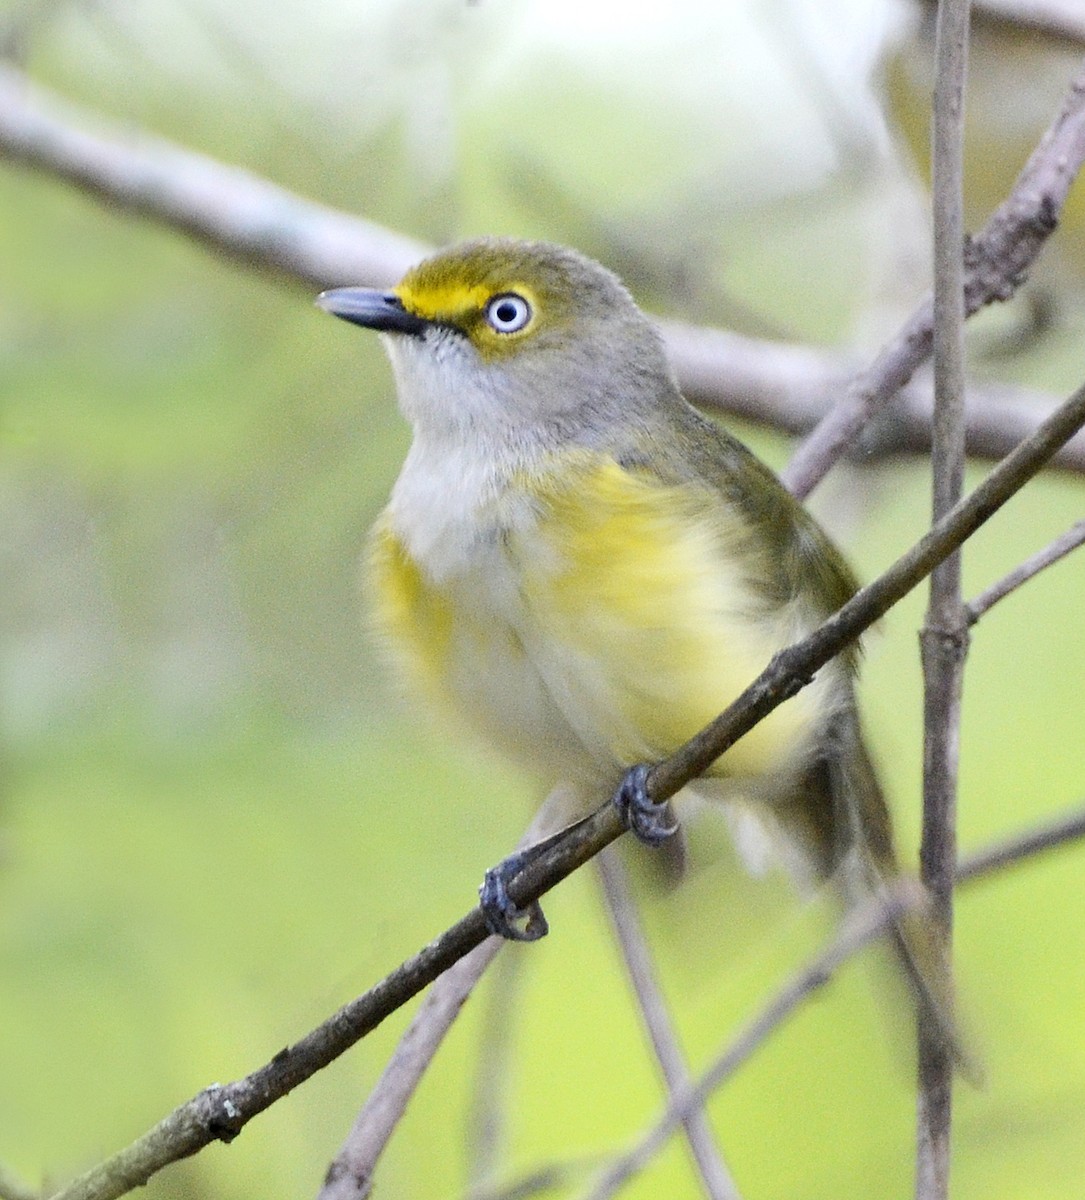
[[507, 334]]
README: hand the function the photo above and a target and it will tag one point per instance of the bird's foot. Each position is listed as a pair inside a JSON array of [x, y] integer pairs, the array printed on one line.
[[503, 916], [651, 822]]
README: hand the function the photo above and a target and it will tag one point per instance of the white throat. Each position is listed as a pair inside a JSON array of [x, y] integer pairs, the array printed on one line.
[[452, 493]]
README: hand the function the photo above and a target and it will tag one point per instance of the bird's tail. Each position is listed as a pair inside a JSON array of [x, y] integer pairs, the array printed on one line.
[[864, 859]]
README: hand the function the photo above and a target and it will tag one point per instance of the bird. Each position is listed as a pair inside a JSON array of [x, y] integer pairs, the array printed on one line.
[[586, 570]]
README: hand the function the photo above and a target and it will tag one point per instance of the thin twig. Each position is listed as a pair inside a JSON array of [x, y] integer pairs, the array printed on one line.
[[790, 388], [715, 1177], [488, 1109], [1010, 582], [1022, 846], [220, 1112], [543, 1179], [350, 1173], [860, 928], [944, 638], [997, 261]]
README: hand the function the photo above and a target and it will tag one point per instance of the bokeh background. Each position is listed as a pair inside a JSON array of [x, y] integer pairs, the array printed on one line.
[[218, 819]]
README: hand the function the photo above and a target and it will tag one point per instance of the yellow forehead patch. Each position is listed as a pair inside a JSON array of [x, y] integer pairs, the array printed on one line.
[[444, 302]]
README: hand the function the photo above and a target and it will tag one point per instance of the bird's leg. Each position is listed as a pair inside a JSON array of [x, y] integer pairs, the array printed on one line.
[[652, 823]]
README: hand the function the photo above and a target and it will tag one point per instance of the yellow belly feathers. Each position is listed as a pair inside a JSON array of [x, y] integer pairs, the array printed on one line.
[[602, 629]]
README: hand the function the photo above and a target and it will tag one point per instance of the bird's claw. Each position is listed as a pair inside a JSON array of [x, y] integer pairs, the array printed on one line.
[[503, 917], [649, 821]]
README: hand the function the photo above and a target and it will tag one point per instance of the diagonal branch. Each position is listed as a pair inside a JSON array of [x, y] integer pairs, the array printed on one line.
[[1050, 554], [997, 262], [859, 929], [235, 213], [220, 1112], [715, 1177]]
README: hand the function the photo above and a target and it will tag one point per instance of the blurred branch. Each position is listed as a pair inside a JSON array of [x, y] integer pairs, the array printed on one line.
[[859, 929], [486, 1135], [220, 1112], [235, 213], [542, 1179], [226, 208], [1043, 559], [791, 388], [1022, 846], [997, 261], [350, 1174], [715, 1177], [1062, 18], [12, 1188], [944, 636]]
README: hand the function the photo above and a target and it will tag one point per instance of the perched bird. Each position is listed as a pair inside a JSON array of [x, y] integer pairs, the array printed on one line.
[[589, 571]]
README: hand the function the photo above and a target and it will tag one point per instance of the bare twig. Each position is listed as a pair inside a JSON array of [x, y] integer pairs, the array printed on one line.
[[715, 1177], [350, 1175], [487, 1117], [220, 1112], [859, 928], [543, 1179], [1022, 846], [1010, 582], [944, 638], [790, 388], [858, 931], [997, 261]]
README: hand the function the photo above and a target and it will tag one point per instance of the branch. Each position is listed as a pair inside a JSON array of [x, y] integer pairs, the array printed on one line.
[[944, 638], [350, 1175], [793, 667], [1060, 18], [221, 1111], [997, 262], [1010, 582], [234, 213], [715, 1177], [230, 210], [12, 1188], [790, 388], [859, 929]]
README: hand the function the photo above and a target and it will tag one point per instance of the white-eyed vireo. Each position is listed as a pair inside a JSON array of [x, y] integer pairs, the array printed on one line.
[[589, 571]]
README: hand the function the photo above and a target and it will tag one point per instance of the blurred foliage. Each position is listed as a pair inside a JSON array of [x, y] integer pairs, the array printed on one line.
[[217, 822]]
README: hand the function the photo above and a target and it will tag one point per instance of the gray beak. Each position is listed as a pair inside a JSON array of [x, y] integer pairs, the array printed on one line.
[[372, 309]]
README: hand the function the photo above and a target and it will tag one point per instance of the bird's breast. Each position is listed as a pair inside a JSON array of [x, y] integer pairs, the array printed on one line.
[[587, 617]]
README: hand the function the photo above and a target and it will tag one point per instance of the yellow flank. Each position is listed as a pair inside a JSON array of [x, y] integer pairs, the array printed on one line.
[[649, 590], [415, 617], [603, 630]]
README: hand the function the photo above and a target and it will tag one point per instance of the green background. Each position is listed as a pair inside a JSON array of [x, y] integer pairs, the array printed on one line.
[[218, 819]]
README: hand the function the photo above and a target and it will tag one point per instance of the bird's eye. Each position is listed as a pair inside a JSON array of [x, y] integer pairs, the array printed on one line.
[[508, 313]]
